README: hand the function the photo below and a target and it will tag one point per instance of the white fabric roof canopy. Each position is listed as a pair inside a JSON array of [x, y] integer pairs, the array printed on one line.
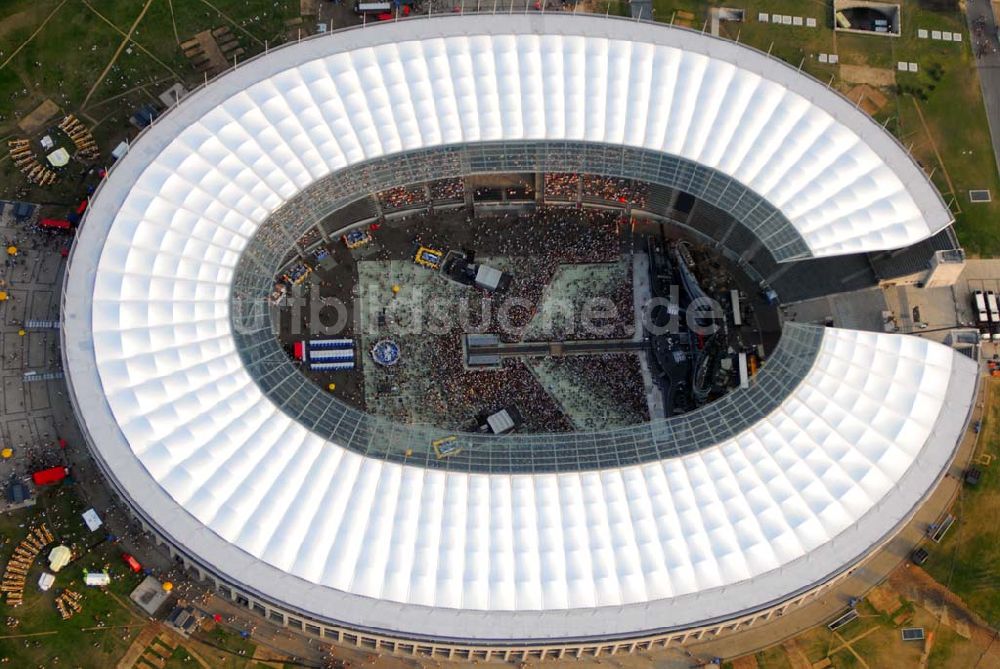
[[841, 180], [187, 433], [510, 542]]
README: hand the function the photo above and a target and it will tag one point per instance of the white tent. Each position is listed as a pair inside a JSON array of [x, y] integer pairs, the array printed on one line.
[[45, 581], [97, 579], [92, 520], [59, 557]]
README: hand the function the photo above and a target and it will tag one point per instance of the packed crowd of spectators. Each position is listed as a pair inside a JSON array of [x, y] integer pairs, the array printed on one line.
[[460, 394], [558, 236], [310, 237], [305, 208], [614, 380], [402, 196], [447, 189], [596, 303], [562, 185], [432, 383], [640, 194], [565, 186], [616, 189]]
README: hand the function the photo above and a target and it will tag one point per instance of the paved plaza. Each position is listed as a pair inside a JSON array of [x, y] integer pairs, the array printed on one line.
[[34, 408]]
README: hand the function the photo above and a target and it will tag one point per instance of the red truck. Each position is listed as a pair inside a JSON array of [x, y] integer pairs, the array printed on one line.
[[132, 563], [57, 224], [50, 475]]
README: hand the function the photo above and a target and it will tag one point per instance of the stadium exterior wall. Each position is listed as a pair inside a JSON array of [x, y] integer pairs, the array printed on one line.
[[275, 612], [387, 641], [940, 448]]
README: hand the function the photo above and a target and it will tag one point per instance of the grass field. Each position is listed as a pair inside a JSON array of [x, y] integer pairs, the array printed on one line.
[[68, 51], [228, 647], [946, 88], [968, 562], [104, 611], [180, 659], [98, 636], [873, 640]]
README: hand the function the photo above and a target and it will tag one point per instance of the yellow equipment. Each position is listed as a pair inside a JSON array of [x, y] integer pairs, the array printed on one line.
[[430, 258]]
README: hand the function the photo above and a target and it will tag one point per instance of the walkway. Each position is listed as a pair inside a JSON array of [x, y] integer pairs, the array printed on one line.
[[537, 349]]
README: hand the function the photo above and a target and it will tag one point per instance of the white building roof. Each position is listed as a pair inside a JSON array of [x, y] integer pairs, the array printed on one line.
[[186, 434], [488, 277], [500, 422]]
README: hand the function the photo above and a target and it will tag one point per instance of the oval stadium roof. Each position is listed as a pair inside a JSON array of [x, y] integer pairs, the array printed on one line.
[[186, 435]]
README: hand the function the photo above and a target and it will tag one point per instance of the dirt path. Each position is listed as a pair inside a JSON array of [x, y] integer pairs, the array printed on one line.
[[138, 647], [21, 636], [849, 646], [137, 45], [917, 585], [930, 138], [796, 656], [173, 21], [121, 47], [33, 35], [863, 74]]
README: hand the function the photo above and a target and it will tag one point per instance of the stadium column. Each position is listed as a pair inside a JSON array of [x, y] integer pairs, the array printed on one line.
[[729, 231], [378, 207], [540, 188], [579, 189], [323, 233], [752, 251], [469, 192]]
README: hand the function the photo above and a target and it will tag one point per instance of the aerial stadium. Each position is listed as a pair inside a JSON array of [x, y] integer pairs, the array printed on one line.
[[730, 474]]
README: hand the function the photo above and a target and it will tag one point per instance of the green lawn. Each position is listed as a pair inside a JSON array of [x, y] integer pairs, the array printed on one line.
[[773, 658], [967, 561], [945, 641], [66, 60], [87, 648], [180, 659], [227, 646], [946, 88], [108, 611]]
